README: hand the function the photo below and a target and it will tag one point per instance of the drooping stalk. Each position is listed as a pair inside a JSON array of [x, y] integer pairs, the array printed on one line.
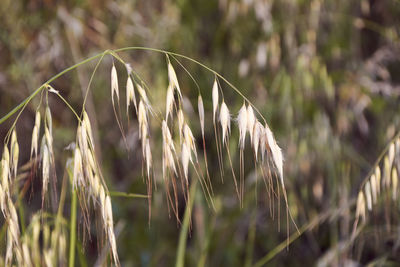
[[180, 253], [72, 238]]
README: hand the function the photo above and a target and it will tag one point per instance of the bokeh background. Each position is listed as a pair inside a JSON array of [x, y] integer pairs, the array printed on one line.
[[324, 73]]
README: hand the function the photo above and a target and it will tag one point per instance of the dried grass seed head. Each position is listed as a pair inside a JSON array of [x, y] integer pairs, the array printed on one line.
[[200, 108], [130, 94], [368, 195], [225, 119], [360, 210], [114, 83], [215, 97], [276, 152], [185, 157], [173, 79], [251, 120], [242, 125], [169, 102]]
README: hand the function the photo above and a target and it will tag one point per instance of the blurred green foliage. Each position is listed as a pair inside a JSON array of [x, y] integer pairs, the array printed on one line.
[[323, 72]]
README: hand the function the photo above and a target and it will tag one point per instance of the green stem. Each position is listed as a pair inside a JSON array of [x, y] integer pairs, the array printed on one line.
[[180, 254], [72, 239], [129, 195]]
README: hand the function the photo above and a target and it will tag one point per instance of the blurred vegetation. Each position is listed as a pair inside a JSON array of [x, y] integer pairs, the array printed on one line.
[[325, 74]]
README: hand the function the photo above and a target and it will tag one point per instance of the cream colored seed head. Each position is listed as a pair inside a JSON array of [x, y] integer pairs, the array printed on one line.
[[258, 130], [88, 127], [200, 108], [276, 152], [225, 119], [78, 171], [114, 83], [6, 154], [49, 120], [34, 143], [189, 139], [242, 125], [186, 157], [173, 79], [130, 94], [37, 119], [263, 142], [169, 102], [148, 157], [49, 141], [15, 157], [45, 169], [368, 195], [215, 98], [143, 95], [360, 210], [374, 188], [251, 120], [142, 117], [167, 137]]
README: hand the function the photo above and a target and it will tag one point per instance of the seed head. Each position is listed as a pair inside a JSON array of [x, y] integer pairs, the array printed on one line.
[[225, 119], [251, 119], [114, 83], [173, 80], [215, 99], [169, 102], [200, 107], [130, 94], [185, 154], [242, 125], [368, 195], [276, 153], [360, 210]]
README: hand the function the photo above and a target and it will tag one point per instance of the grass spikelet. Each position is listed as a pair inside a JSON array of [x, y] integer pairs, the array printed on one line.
[[114, 84], [130, 95], [360, 210], [185, 157], [88, 128], [374, 187], [169, 102], [148, 157], [189, 139], [78, 169], [368, 195], [242, 125], [258, 130], [276, 153], [200, 108], [251, 120], [215, 100], [173, 79], [143, 96], [14, 153], [110, 229], [225, 120], [45, 171]]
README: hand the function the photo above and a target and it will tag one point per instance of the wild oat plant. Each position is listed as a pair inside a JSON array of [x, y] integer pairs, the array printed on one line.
[[44, 241]]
